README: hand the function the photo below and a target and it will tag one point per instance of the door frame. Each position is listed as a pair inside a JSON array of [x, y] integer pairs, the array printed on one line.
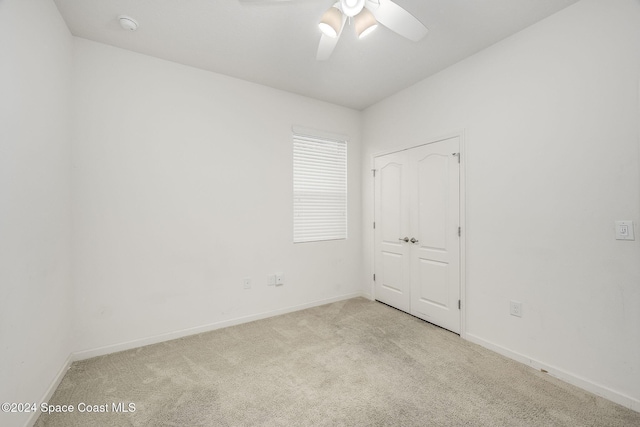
[[463, 218]]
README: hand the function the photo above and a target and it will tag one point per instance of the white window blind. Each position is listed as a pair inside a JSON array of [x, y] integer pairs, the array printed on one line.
[[319, 188]]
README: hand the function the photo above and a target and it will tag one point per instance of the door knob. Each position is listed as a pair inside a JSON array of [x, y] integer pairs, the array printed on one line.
[[413, 240], [406, 239]]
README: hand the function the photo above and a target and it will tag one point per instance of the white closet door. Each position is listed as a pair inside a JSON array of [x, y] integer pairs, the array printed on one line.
[[435, 218], [392, 285], [417, 196]]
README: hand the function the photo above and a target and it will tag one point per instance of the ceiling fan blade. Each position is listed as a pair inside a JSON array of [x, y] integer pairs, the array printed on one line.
[[397, 19], [327, 44]]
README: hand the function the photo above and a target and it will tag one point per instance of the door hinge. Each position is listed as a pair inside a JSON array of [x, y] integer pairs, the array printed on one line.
[[459, 305], [374, 172], [374, 225], [459, 231], [457, 155], [374, 277]]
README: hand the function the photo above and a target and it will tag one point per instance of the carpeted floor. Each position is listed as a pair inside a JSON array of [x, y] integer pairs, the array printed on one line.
[[351, 363]]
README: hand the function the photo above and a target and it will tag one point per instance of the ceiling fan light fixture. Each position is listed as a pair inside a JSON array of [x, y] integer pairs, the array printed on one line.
[[331, 22], [365, 23]]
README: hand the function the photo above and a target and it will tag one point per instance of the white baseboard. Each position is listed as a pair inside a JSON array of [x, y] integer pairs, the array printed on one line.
[[576, 380], [101, 351], [51, 389]]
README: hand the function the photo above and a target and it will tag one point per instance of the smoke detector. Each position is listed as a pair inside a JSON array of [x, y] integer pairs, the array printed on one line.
[[128, 23]]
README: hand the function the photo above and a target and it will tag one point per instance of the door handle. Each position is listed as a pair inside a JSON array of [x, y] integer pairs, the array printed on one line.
[[406, 239], [413, 240]]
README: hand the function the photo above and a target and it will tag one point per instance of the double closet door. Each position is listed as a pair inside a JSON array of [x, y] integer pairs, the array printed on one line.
[[417, 234]]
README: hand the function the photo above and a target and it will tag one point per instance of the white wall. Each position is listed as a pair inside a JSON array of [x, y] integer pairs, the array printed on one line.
[[551, 120], [35, 284], [182, 186]]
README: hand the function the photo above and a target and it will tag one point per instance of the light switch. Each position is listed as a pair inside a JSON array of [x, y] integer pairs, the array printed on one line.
[[624, 230]]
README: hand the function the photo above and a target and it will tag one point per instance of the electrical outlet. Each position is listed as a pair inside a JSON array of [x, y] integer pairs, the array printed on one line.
[[279, 279], [515, 308], [271, 279], [624, 230], [246, 282]]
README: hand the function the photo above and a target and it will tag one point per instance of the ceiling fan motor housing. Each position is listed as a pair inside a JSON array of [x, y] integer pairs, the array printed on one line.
[[352, 7]]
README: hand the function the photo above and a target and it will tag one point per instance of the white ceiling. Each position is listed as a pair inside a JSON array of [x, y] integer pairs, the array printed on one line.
[[275, 43]]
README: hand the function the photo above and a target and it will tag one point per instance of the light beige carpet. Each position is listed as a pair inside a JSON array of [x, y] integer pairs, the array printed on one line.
[[351, 363]]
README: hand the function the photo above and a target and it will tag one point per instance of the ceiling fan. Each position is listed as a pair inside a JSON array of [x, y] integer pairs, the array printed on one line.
[[365, 15]]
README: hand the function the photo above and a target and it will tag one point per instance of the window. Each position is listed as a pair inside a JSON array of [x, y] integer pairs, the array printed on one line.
[[319, 187]]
